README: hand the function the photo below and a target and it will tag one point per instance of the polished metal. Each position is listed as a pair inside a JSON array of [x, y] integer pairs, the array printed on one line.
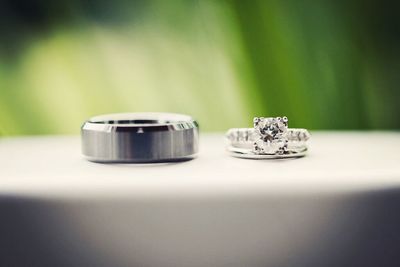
[[269, 139], [140, 138], [250, 154]]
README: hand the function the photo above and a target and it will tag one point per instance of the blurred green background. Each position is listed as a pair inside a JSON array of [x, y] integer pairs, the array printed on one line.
[[324, 64]]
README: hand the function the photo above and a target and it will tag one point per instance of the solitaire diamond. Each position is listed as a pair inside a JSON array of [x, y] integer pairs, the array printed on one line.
[[271, 137]]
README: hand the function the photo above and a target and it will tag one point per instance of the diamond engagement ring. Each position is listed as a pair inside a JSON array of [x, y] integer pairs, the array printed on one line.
[[269, 139]]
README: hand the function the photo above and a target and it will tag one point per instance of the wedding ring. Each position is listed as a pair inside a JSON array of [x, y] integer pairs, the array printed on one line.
[[269, 139], [140, 137]]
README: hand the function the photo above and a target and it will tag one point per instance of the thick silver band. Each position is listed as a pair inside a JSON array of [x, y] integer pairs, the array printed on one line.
[[140, 137]]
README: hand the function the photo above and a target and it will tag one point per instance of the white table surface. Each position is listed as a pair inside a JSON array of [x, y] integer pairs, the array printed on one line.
[[46, 166], [215, 210]]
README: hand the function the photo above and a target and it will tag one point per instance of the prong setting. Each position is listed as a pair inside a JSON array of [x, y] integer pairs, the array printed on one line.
[[271, 137], [255, 121]]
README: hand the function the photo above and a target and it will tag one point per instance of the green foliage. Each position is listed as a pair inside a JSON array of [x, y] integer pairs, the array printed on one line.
[[324, 64]]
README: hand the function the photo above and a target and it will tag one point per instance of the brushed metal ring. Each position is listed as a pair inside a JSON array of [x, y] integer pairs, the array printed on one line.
[[140, 138]]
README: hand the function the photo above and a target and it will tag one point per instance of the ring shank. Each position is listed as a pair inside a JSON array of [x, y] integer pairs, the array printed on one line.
[[140, 138], [249, 154]]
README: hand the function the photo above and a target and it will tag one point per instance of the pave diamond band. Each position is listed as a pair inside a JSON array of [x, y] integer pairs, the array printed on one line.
[[248, 135], [270, 138]]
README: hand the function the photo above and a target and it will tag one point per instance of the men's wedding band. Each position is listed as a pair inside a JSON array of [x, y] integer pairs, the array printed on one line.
[[140, 138]]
